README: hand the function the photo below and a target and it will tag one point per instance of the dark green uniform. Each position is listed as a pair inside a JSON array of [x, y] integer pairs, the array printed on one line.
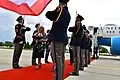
[[19, 42]]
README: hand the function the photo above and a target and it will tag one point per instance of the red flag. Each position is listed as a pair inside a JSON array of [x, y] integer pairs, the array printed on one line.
[[25, 7]]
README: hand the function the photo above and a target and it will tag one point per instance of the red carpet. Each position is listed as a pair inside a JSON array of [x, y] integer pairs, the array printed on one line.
[[29, 73]]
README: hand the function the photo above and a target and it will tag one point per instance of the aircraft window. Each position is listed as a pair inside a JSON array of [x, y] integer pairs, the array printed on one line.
[[111, 27], [107, 31], [110, 31], [119, 27], [119, 31], [115, 27], [113, 31], [108, 28]]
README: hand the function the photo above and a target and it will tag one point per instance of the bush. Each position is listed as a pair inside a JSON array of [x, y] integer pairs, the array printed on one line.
[[8, 44], [103, 50], [1, 44], [27, 46]]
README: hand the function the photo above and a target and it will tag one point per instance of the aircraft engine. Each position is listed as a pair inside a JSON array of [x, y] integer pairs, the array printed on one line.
[[113, 42], [115, 45], [104, 41]]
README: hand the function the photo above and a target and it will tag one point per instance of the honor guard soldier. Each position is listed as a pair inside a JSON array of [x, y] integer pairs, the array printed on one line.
[[47, 46], [86, 44], [76, 43], [71, 53], [82, 47], [19, 41], [61, 18], [89, 48]]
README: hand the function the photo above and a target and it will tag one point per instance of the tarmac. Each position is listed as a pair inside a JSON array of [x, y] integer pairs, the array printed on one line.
[[102, 69], [105, 68]]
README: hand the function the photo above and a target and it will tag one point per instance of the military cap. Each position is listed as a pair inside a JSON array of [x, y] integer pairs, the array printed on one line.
[[90, 36], [63, 1], [48, 31], [80, 17], [37, 25], [84, 27], [87, 31], [19, 18]]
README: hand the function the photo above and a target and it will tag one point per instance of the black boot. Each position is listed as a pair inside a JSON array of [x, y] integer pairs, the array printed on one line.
[[47, 62], [85, 65], [74, 74], [17, 67], [81, 69], [34, 63]]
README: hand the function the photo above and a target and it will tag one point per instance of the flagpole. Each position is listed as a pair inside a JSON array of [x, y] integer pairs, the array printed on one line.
[[24, 15], [76, 13], [40, 22]]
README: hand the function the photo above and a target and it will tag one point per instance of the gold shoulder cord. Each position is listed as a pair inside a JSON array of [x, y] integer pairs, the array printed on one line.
[[61, 9], [77, 30]]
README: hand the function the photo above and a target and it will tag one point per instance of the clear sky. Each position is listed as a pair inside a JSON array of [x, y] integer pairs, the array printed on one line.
[[95, 12]]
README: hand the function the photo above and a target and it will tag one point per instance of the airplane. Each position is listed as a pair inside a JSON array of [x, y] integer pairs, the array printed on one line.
[[108, 35]]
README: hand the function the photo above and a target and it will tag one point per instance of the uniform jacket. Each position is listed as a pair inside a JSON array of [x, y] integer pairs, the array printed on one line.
[[61, 18], [85, 41], [20, 33], [76, 36], [90, 45], [48, 36]]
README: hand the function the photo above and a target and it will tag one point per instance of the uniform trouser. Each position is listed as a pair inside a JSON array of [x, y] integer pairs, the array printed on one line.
[[95, 52], [82, 58], [86, 57], [52, 57], [47, 53], [58, 50], [17, 53], [71, 55], [76, 59], [89, 56], [33, 55]]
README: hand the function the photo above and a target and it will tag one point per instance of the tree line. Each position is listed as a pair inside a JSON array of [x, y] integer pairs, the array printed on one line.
[[9, 44]]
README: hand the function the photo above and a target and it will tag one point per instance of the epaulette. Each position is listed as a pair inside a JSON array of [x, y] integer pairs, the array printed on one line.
[[58, 8], [17, 26]]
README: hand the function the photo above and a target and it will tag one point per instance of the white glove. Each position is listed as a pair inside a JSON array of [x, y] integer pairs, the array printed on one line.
[[21, 42]]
